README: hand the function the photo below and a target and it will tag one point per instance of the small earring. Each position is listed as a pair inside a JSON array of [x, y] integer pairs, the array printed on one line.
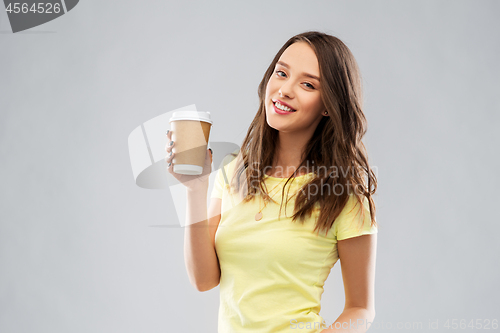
[[326, 113]]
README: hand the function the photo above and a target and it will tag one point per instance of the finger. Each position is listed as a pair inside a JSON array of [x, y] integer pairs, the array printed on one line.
[[168, 135], [170, 167], [169, 146], [170, 157]]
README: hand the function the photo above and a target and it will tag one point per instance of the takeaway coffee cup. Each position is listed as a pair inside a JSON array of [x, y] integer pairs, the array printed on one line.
[[190, 132]]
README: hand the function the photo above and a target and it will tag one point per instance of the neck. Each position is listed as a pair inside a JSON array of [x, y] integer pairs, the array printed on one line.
[[289, 153]]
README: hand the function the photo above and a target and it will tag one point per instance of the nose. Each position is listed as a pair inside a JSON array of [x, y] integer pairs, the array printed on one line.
[[286, 89]]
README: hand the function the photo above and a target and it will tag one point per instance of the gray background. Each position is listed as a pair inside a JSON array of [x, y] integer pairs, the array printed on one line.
[[79, 250]]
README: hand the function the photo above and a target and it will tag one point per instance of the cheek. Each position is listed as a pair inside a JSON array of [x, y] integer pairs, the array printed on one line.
[[267, 97], [272, 87], [268, 88], [316, 103], [308, 101]]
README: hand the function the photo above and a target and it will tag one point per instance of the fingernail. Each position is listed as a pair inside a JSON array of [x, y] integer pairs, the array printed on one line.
[[171, 143], [170, 153], [168, 131], [169, 164], [211, 152]]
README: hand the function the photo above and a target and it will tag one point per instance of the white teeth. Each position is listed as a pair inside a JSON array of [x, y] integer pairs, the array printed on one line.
[[282, 107]]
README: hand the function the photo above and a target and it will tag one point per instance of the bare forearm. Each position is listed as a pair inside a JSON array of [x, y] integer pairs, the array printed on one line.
[[352, 320], [199, 252]]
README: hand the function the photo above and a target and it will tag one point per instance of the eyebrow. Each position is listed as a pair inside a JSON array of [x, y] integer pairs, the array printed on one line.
[[305, 74]]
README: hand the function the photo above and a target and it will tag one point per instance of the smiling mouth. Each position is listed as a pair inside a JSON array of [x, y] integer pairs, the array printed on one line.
[[282, 107]]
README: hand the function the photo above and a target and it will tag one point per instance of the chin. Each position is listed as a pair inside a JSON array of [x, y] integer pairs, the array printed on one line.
[[272, 120], [269, 123], [275, 126]]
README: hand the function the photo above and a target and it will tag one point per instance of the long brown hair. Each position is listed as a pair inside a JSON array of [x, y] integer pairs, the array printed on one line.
[[336, 143]]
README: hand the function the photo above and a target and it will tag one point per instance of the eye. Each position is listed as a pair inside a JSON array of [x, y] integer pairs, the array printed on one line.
[[278, 72], [308, 85]]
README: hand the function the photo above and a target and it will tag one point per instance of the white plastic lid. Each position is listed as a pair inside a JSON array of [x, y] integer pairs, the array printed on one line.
[[191, 115], [188, 169]]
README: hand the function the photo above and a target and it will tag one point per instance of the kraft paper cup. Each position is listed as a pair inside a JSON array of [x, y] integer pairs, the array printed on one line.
[[190, 132]]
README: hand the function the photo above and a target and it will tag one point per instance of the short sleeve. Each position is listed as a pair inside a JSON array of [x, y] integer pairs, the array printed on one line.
[[351, 222], [218, 185]]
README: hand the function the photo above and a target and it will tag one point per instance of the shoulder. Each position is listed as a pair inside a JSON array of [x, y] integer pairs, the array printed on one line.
[[228, 165], [354, 219]]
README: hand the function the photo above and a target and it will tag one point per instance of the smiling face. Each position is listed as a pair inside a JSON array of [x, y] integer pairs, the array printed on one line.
[[293, 100]]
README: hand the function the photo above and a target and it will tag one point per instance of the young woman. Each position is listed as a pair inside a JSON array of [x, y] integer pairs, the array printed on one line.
[[302, 152]]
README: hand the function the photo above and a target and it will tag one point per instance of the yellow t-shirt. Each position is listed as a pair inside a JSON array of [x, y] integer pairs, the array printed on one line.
[[273, 270]]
